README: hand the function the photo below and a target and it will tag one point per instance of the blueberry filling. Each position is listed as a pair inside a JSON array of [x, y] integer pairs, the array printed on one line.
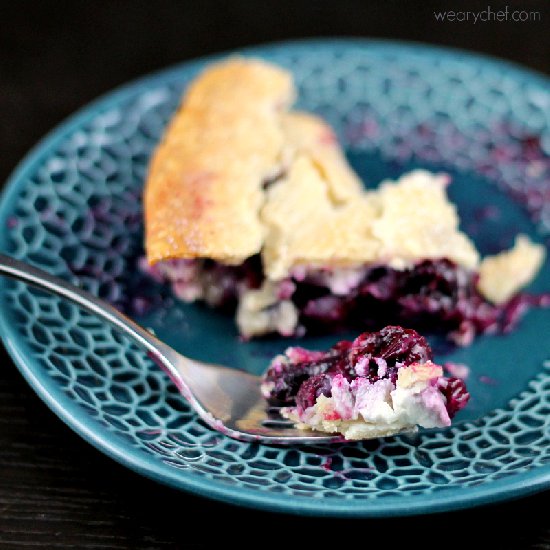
[[300, 377], [455, 394], [433, 295], [436, 295], [311, 389]]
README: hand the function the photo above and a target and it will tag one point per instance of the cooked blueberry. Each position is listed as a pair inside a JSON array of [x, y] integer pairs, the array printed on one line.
[[311, 389], [456, 394]]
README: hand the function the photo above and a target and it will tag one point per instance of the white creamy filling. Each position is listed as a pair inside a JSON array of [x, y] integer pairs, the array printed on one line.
[[261, 311], [364, 409]]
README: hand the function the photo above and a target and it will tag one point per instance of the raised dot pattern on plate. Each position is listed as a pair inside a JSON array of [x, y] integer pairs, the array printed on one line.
[[78, 215]]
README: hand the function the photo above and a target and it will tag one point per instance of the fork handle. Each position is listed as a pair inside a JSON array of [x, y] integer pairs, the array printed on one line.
[[21, 271]]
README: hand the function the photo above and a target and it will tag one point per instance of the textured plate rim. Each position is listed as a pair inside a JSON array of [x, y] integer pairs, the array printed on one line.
[[454, 498]]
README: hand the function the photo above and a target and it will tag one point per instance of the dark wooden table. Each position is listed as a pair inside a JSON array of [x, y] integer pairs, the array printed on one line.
[[56, 491]]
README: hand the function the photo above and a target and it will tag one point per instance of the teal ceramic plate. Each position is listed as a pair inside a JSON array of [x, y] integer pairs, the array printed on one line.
[[73, 207]]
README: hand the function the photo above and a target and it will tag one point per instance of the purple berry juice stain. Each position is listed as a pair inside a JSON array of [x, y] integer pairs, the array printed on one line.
[[12, 222], [488, 380]]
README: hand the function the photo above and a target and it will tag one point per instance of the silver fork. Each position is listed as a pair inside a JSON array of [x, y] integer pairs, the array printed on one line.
[[228, 400]]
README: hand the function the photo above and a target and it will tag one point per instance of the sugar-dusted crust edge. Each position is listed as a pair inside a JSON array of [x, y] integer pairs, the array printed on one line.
[[204, 191]]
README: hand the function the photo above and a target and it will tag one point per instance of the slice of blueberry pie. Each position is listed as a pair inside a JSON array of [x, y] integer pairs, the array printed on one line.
[[380, 384], [252, 207]]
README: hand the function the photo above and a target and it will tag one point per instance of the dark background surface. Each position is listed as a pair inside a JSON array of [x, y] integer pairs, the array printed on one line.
[[56, 491]]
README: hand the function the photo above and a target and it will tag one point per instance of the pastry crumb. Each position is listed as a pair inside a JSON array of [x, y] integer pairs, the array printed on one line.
[[502, 275]]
